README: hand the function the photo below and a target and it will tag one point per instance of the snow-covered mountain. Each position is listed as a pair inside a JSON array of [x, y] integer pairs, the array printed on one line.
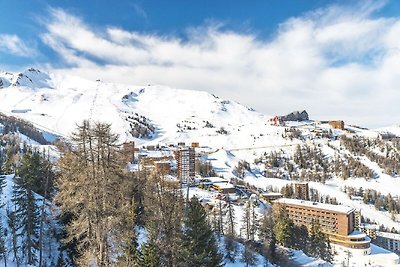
[[155, 113], [228, 131]]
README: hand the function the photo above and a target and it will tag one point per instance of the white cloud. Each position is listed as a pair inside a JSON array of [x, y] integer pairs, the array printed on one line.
[[12, 44], [338, 62]]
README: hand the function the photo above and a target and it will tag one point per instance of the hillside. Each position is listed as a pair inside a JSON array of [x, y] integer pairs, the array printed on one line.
[[241, 144]]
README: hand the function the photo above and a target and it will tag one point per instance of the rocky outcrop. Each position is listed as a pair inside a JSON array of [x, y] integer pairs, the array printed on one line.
[[295, 116]]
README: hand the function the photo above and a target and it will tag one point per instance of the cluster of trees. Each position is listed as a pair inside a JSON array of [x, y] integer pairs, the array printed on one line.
[[13, 125], [204, 168], [308, 163], [281, 229], [388, 158], [289, 192], [26, 214], [371, 196], [348, 166], [105, 208], [141, 127], [241, 168]]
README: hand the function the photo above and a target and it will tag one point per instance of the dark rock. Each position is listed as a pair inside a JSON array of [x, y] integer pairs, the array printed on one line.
[[295, 116]]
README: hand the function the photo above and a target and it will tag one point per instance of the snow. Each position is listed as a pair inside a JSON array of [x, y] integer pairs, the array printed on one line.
[[55, 103], [50, 256], [301, 258], [323, 206]]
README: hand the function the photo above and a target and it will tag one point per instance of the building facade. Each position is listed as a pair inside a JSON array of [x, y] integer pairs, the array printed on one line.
[[389, 241], [301, 191], [336, 221], [185, 158]]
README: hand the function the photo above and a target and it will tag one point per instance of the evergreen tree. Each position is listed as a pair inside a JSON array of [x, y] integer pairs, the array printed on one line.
[[319, 243], [300, 238], [246, 221], [267, 235], [283, 226], [150, 255], [230, 217], [8, 164], [27, 210], [199, 241]]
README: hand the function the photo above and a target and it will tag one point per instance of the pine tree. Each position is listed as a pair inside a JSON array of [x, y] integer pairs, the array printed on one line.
[[230, 218], [150, 255], [27, 210], [283, 226], [319, 243], [267, 235], [199, 241], [272, 248], [8, 164]]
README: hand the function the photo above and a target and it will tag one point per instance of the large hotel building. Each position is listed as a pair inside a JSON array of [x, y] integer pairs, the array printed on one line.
[[337, 221]]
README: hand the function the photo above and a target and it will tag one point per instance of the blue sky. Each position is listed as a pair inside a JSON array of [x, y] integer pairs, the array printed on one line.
[[337, 59], [25, 18]]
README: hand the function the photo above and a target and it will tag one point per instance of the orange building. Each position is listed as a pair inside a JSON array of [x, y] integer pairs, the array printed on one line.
[[337, 124], [337, 221]]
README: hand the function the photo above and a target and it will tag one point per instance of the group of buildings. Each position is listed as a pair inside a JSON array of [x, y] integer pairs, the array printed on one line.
[[342, 224]]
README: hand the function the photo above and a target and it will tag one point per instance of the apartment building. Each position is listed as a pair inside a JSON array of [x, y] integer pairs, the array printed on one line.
[[337, 221], [185, 158], [389, 241]]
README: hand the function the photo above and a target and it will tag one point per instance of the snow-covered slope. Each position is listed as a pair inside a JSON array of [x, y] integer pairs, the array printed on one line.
[[50, 244], [58, 103], [163, 115]]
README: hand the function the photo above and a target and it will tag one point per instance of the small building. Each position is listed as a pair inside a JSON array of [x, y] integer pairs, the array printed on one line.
[[369, 229], [271, 196], [195, 144], [387, 136], [301, 191], [337, 124], [224, 188]]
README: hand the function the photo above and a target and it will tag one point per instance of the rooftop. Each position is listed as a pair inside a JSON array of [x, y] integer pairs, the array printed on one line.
[[388, 235], [316, 205], [225, 185]]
